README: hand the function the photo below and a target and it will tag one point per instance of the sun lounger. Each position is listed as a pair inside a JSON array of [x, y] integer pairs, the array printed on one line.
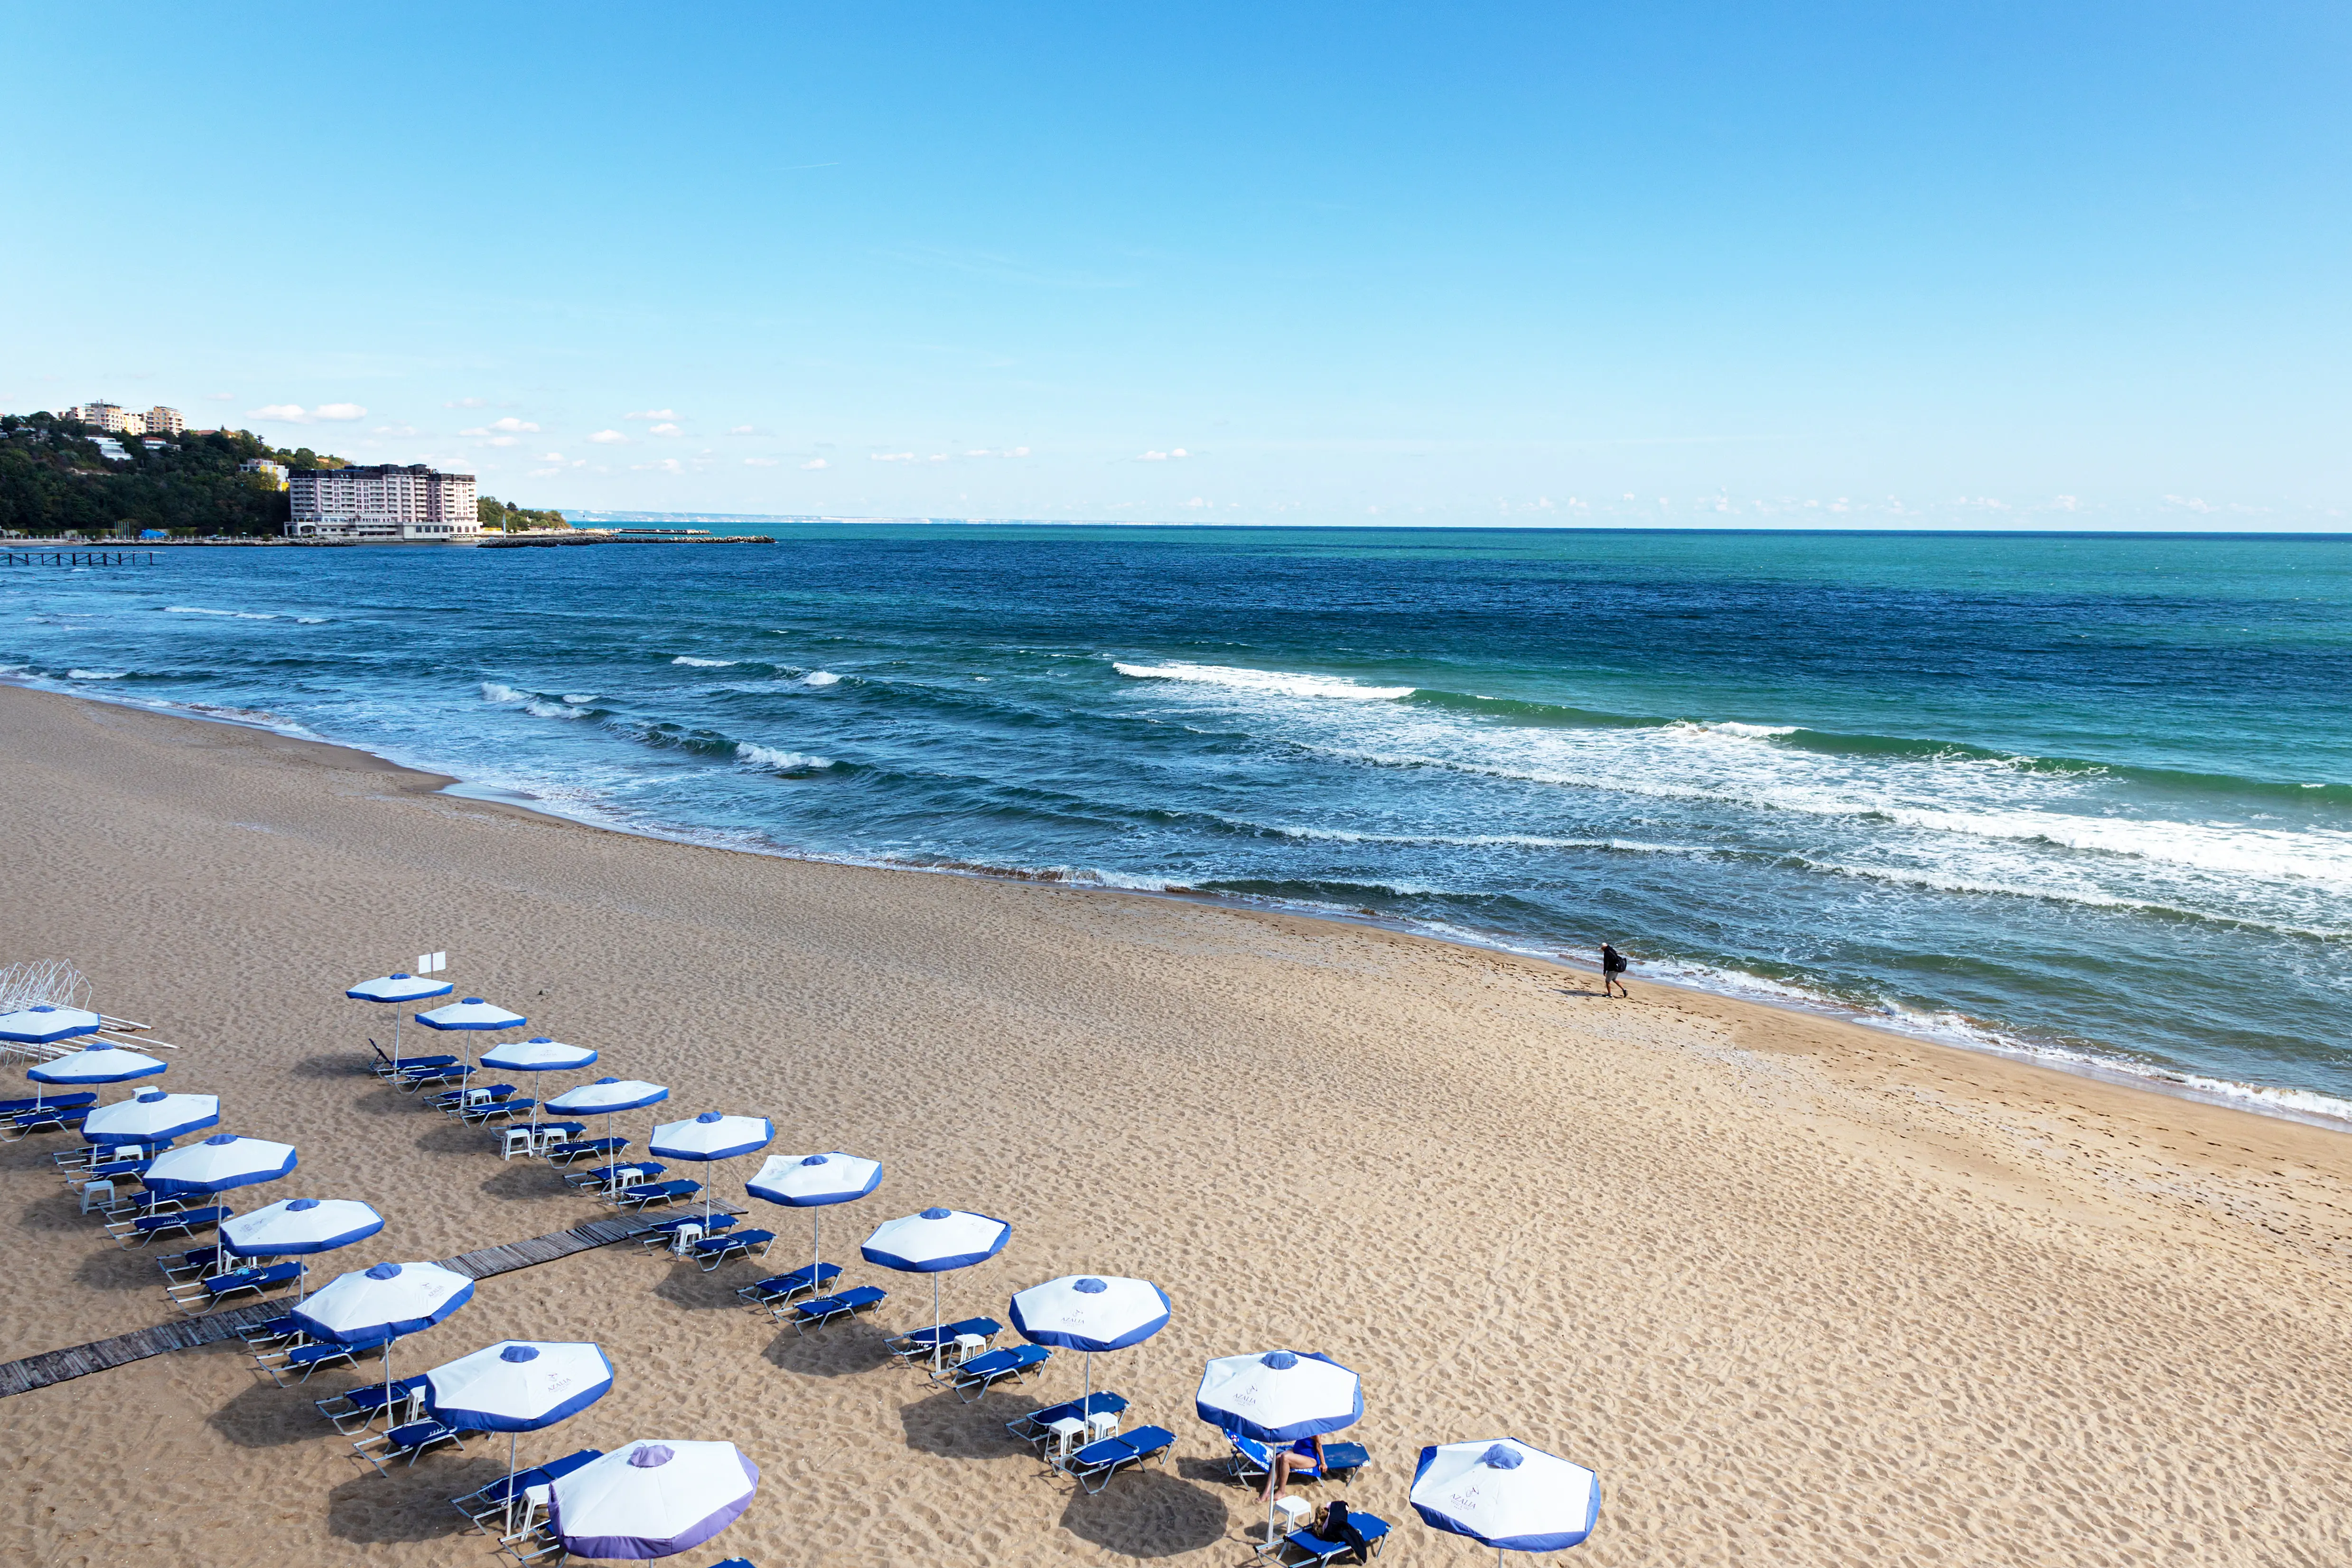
[[713, 1250], [1319, 1550], [1095, 1464], [1249, 1459], [565, 1153], [777, 1289], [505, 1110], [355, 1409], [918, 1342], [621, 1175], [187, 1265], [406, 1442], [983, 1372], [819, 1311], [535, 1549], [491, 1501], [459, 1098], [646, 1195], [412, 1078], [49, 1119], [36, 1101], [282, 1333], [664, 1232], [146, 1227], [1342, 1460], [1037, 1427], [384, 1067], [197, 1297], [299, 1361], [109, 1171]]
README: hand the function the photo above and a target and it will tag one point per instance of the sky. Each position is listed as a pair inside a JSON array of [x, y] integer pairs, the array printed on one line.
[[1880, 265]]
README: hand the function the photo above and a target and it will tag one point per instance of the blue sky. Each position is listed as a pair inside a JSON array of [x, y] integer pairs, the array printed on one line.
[[1972, 266]]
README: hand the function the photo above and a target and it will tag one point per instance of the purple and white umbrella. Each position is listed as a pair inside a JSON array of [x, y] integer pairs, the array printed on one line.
[[1506, 1495], [399, 990], [647, 1500]]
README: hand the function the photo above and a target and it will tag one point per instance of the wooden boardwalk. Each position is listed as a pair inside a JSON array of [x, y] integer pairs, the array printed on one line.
[[55, 1366]]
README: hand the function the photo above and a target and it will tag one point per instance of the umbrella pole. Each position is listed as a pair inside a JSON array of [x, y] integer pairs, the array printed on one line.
[[510, 1480], [935, 1325], [816, 1251], [388, 1422], [395, 1036]]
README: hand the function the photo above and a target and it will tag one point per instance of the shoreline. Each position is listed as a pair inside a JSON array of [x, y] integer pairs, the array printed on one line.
[[2255, 1099]]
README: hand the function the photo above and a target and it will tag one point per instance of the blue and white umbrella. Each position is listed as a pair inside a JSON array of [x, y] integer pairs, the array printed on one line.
[[515, 1387], [1506, 1495], [45, 1023], [1278, 1397], [814, 1181], [471, 1012], [299, 1227], [97, 1063], [151, 1116], [607, 1097], [538, 1054], [398, 989], [647, 1500], [220, 1163], [1089, 1313], [381, 1304], [932, 1242], [713, 1135]]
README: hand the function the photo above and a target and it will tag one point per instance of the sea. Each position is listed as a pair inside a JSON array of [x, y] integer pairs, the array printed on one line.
[[2081, 798]]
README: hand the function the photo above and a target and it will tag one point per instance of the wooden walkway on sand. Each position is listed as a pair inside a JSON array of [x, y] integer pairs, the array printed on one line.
[[55, 1366]]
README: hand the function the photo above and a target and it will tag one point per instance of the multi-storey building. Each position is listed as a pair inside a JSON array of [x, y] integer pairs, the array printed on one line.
[[276, 473], [116, 420], [388, 502], [163, 421]]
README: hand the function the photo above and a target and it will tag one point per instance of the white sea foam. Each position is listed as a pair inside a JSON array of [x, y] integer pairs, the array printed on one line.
[[1273, 682], [542, 709], [781, 760], [821, 678], [310, 620], [580, 699], [705, 663], [232, 615], [95, 674], [497, 691]]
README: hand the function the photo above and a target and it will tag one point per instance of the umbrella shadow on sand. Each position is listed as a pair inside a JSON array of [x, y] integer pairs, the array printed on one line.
[[687, 1284], [839, 1351], [115, 1270], [410, 1506], [526, 1181], [941, 1423], [260, 1419], [456, 1138], [1147, 1513], [337, 1064]]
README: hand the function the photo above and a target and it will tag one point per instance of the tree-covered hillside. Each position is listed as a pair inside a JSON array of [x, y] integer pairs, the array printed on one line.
[[54, 478]]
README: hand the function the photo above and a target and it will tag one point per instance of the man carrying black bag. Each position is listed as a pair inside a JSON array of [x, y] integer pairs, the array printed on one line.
[[1612, 965]]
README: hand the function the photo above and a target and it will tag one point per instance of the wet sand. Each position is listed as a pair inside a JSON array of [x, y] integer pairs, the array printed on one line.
[[1799, 1292]]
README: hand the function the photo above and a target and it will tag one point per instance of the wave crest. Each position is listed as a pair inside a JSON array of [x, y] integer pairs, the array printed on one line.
[[1282, 683]]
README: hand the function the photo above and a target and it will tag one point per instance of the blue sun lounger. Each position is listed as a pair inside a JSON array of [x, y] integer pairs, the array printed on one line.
[[464, 1095], [490, 1503], [605, 1176], [177, 1266], [983, 1372], [408, 1442], [645, 1196], [1038, 1425], [39, 1102], [565, 1153], [1249, 1459], [1094, 1465], [1320, 1550], [47, 1118], [916, 1343], [664, 1232], [355, 1409], [197, 1297], [777, 1289], [819, 1311], [282, 1332], [146, 1227], [505, 1110], [713, 1250], [412, 1078], [384, 1067], [300, 1361]]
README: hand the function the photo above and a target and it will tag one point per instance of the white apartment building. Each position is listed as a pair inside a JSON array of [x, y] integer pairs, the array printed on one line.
[[163, 421], [116, 420], [276, 473], [388, 502]]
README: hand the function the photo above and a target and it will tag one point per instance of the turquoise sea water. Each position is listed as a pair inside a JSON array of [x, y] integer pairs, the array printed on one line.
[[2083, 795]]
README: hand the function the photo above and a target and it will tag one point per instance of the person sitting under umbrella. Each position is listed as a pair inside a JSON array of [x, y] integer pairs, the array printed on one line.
[[1305, 1454]]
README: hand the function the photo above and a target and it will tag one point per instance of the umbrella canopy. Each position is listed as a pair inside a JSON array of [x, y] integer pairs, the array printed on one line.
[[812, 1181], [45, 1025], [713, 1135], [221, 1161], [1506, 1495], [97, 1063], [934, 1240], [651, 1499], [151, 1117], [400, 987], [538, 1055], [1083, 1313], [298, 1226], [1279, 1396], [389, 1299], [608, 1096], [471, 1012], [518, 1385]]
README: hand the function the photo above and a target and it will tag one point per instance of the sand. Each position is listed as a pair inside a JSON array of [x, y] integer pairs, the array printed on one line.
[[1801, 1292]]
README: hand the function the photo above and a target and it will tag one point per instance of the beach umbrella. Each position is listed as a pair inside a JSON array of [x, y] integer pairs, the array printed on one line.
[[96, 1062], [814, 1182], [45, 1023], [299, 1227], [713, 1135], [381, 1304], [471, 1012], [538, 1054], [219, 1163], [651, 1499], [1277, 1397], [1506, 1495], [932, 1242], [399, 990], [151, 1116], [1085, 1312], [515, 1386], [607, 1097]]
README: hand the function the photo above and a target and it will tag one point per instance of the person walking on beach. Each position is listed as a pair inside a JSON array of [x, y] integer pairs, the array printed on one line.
[[1612, 965]]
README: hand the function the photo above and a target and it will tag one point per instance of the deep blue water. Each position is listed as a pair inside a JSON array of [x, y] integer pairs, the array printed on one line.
[[2083, 794]]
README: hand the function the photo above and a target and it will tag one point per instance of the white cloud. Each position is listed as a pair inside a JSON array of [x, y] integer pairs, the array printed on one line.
[[550, 457], [759, 462], [467, 403], [1196, 500], [1018, 452], [652, 413], [982, 452], [816, 463], [939, 457], [1162, 457], [544, 473], [665, 429], [394, 430], [503, 441], [284, 413], [340, 411], [609, 438], [739, 430], [511, 423], [892, 456]]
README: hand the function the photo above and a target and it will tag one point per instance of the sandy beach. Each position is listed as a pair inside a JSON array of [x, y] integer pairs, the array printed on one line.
[[1801, 1292]]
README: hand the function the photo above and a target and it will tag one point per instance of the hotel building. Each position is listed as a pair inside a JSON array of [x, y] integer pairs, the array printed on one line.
[[116, 420], [388, 502]]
